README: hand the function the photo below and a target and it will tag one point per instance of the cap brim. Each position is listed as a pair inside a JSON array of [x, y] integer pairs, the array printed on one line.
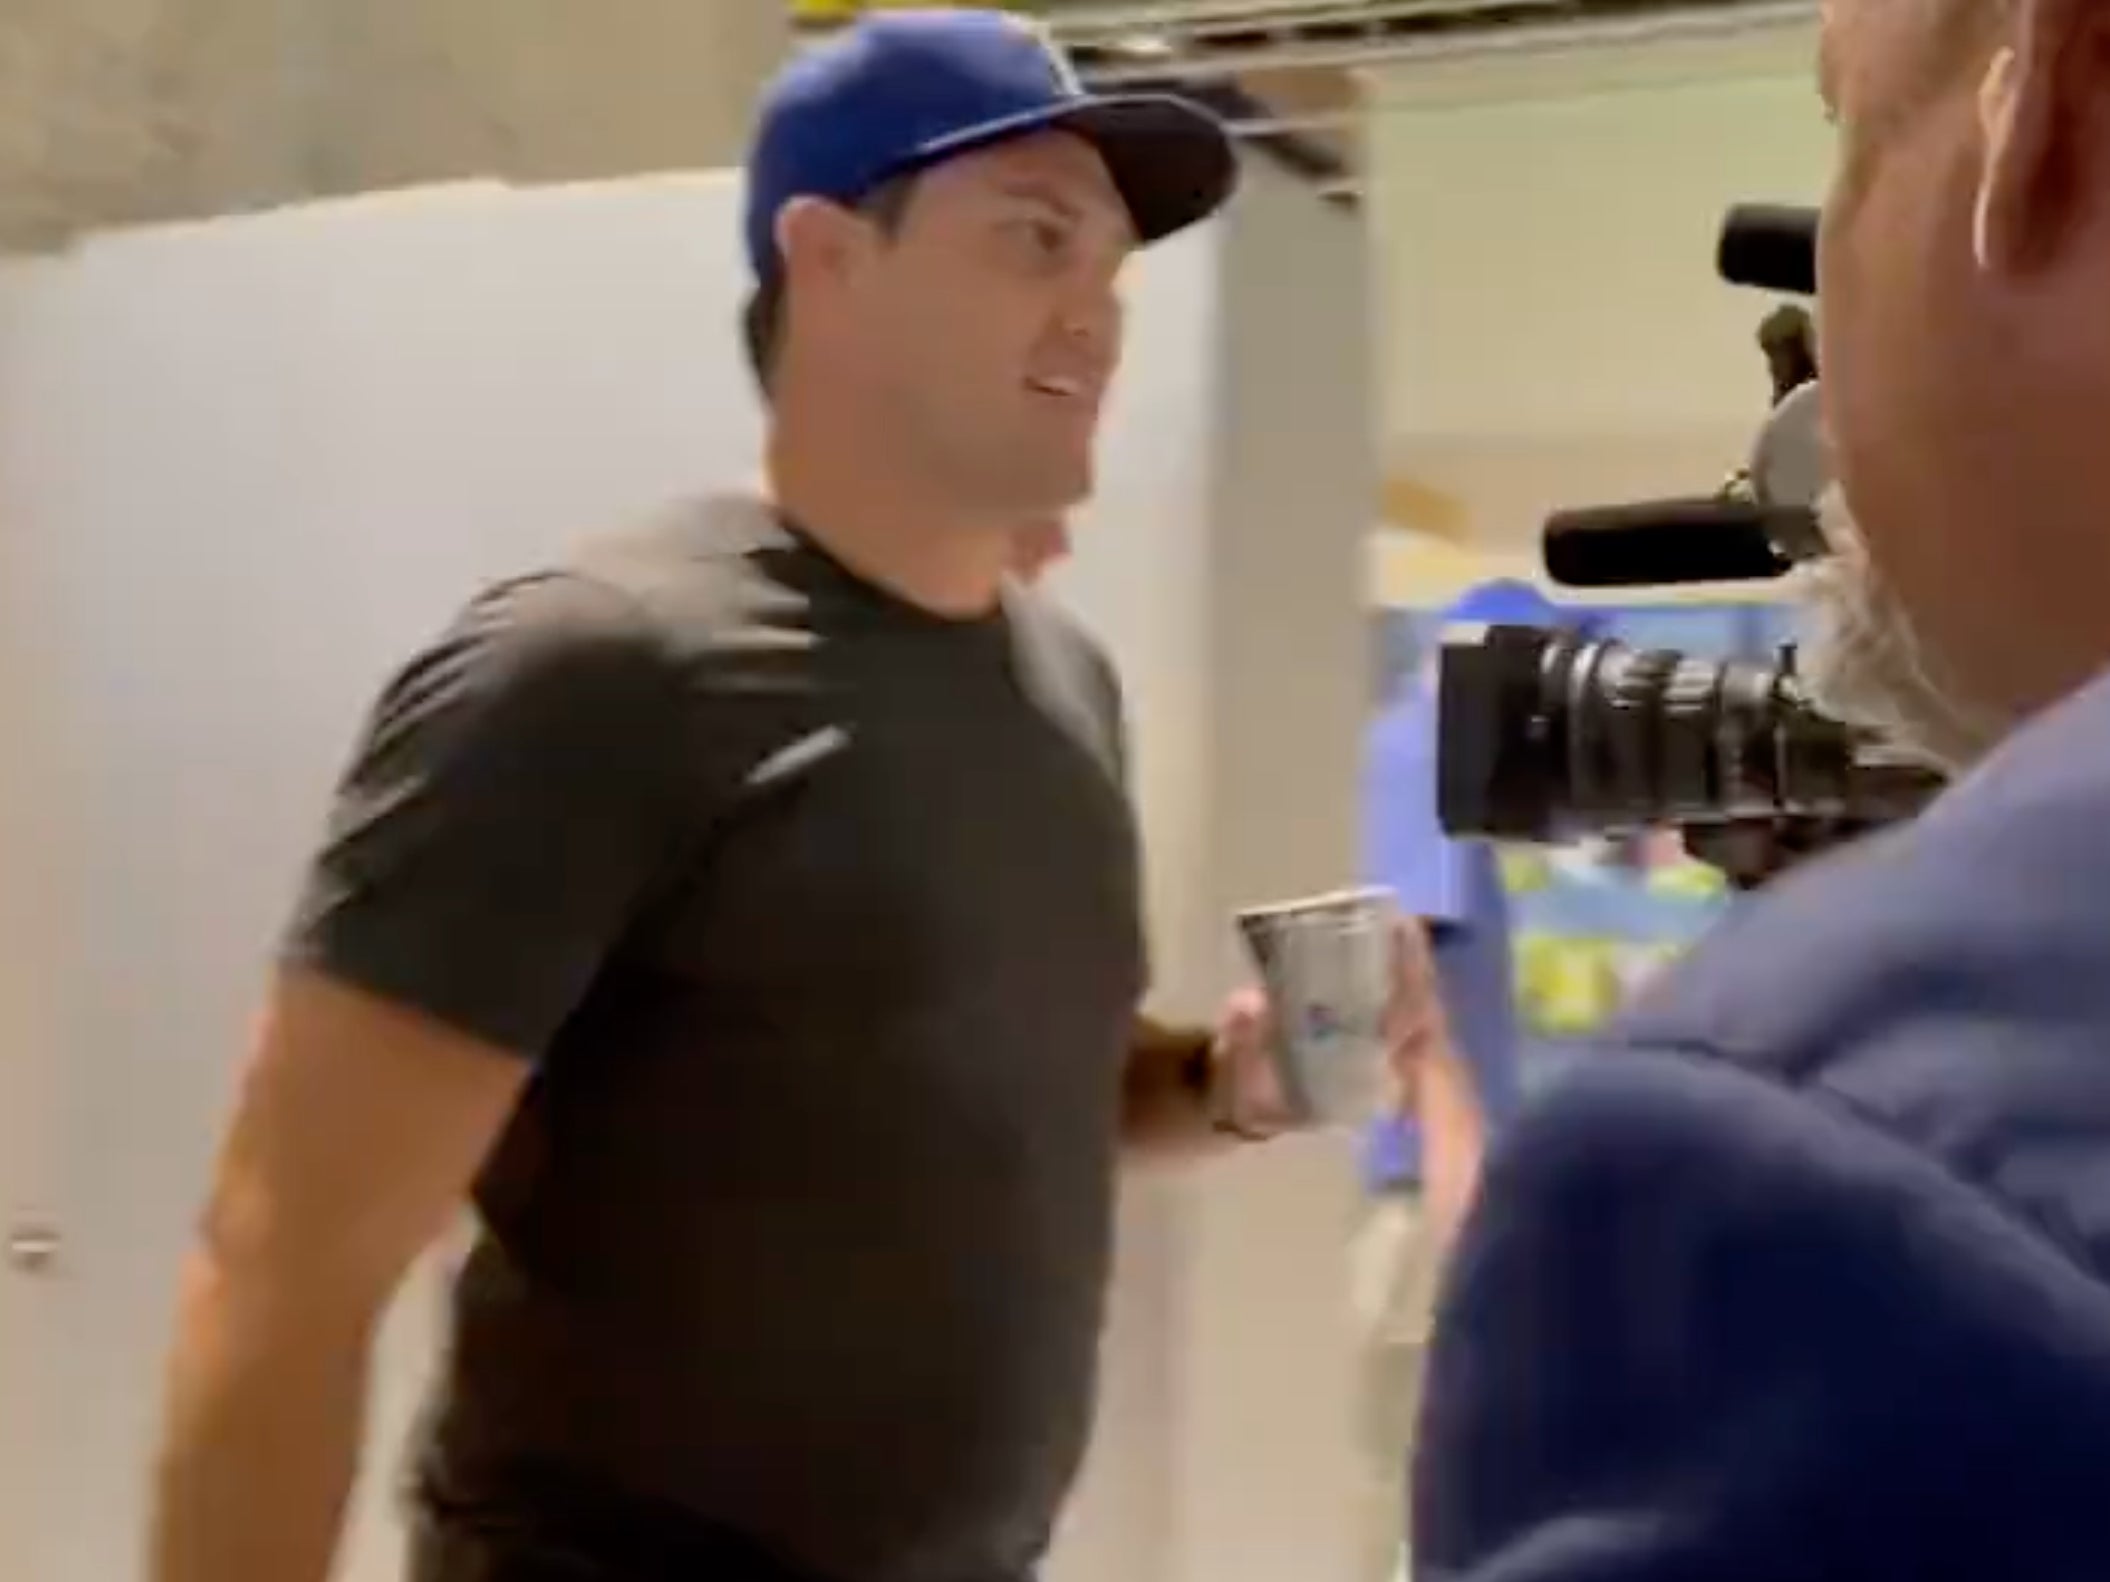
[[1172, 161]]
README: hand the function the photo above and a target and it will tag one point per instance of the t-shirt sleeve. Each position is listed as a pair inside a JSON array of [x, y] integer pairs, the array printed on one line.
[[520, 791], [1111, 709]]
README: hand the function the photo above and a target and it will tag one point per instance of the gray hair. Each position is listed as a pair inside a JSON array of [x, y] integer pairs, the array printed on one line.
[[1865, 664]]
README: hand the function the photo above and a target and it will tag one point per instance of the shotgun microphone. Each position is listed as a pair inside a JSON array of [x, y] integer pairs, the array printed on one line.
[[1658, 542], [1770, 246]]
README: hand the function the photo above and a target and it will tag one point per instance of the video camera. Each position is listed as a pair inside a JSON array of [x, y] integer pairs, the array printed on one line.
[[1549, 736]]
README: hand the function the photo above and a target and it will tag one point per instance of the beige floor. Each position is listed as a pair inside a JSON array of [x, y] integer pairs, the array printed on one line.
[[1394, 1295]]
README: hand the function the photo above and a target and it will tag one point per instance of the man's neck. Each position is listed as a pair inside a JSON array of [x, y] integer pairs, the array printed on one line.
[[853, 500]]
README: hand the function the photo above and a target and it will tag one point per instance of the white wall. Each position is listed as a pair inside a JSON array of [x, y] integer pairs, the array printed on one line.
[[244, 466], [1554, 330], [1235, 602], [1139, 545], [31, 906]]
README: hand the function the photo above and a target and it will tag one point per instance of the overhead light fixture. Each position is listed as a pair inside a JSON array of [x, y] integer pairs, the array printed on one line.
[[1141, 47]]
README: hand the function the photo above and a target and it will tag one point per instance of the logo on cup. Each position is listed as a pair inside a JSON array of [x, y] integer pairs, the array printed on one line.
[[1324, 1021]]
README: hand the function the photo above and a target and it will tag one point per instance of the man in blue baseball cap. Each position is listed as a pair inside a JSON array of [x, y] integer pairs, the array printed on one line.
[[745, 917]]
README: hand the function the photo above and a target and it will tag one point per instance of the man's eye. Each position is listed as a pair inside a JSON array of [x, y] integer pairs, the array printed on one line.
[[1048, 238]]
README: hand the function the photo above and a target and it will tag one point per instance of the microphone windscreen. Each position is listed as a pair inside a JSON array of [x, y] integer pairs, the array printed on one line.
[[1770, 246], [1660, 542]]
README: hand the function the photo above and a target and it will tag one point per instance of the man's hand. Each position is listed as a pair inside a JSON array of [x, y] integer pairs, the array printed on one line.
[[1189, 1086], [1420, 1061], [1246, 1098], [1191, 1089]]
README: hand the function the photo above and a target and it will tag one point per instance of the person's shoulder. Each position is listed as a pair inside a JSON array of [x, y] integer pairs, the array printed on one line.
[[1705, 1192], [620, 629], [1989, 909], [707, 602], [1942, 984], [1689, 1288], [1065, 663], [1044, 619], [1824, 1225], [1627, 1119], [546, 625], [534, 674], [700, 567]]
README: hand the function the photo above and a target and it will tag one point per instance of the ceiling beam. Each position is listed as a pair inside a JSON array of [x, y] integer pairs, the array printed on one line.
[[1451, 32]]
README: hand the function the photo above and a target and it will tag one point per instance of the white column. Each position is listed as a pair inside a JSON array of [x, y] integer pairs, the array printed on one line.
[[1239, 617], [1265, 1475]]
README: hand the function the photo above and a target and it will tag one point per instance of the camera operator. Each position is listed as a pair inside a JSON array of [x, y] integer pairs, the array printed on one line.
[[1807, 1272]]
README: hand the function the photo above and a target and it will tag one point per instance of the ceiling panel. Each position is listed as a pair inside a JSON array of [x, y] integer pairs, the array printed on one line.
[[1288, 74]]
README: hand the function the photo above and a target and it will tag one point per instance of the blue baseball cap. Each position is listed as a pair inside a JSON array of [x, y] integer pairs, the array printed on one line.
[[902, 90]]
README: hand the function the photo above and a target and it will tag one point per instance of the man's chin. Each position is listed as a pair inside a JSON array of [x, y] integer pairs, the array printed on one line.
[[1863, 663], [1056, 486], [1858, 688]]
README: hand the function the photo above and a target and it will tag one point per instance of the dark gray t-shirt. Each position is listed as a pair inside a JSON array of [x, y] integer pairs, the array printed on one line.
[[819, 918]]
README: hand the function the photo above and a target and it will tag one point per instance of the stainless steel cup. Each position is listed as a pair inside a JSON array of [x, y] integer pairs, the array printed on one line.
[[1326, 963]]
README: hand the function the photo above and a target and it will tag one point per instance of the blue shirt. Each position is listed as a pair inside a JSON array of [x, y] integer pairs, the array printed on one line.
[[1455, 886], [1804, 1271]]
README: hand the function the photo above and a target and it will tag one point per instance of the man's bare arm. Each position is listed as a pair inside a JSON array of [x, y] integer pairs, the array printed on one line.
[[366, 1114], [358, 1132], [1166, 1091]]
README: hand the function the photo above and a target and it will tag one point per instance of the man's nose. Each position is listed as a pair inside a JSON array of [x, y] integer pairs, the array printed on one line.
[[1094, 320]]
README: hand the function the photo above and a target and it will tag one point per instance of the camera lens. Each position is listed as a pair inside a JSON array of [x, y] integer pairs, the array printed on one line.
[[1656, 737], [1546, 735]]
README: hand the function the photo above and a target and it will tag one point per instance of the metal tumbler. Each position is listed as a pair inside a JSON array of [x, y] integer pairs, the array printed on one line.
[[1326, 963]]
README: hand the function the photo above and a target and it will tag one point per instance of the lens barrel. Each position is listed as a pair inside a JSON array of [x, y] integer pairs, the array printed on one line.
[[1546, 735]]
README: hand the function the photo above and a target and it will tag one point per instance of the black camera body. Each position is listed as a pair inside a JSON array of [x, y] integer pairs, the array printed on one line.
[[1548, 736]]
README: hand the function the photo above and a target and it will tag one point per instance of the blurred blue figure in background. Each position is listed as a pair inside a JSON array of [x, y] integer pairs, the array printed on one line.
[[1454, 886], [1423, 1156]]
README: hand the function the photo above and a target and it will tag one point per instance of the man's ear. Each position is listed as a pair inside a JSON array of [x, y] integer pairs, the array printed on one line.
[[2044, 114], [816, 237]]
